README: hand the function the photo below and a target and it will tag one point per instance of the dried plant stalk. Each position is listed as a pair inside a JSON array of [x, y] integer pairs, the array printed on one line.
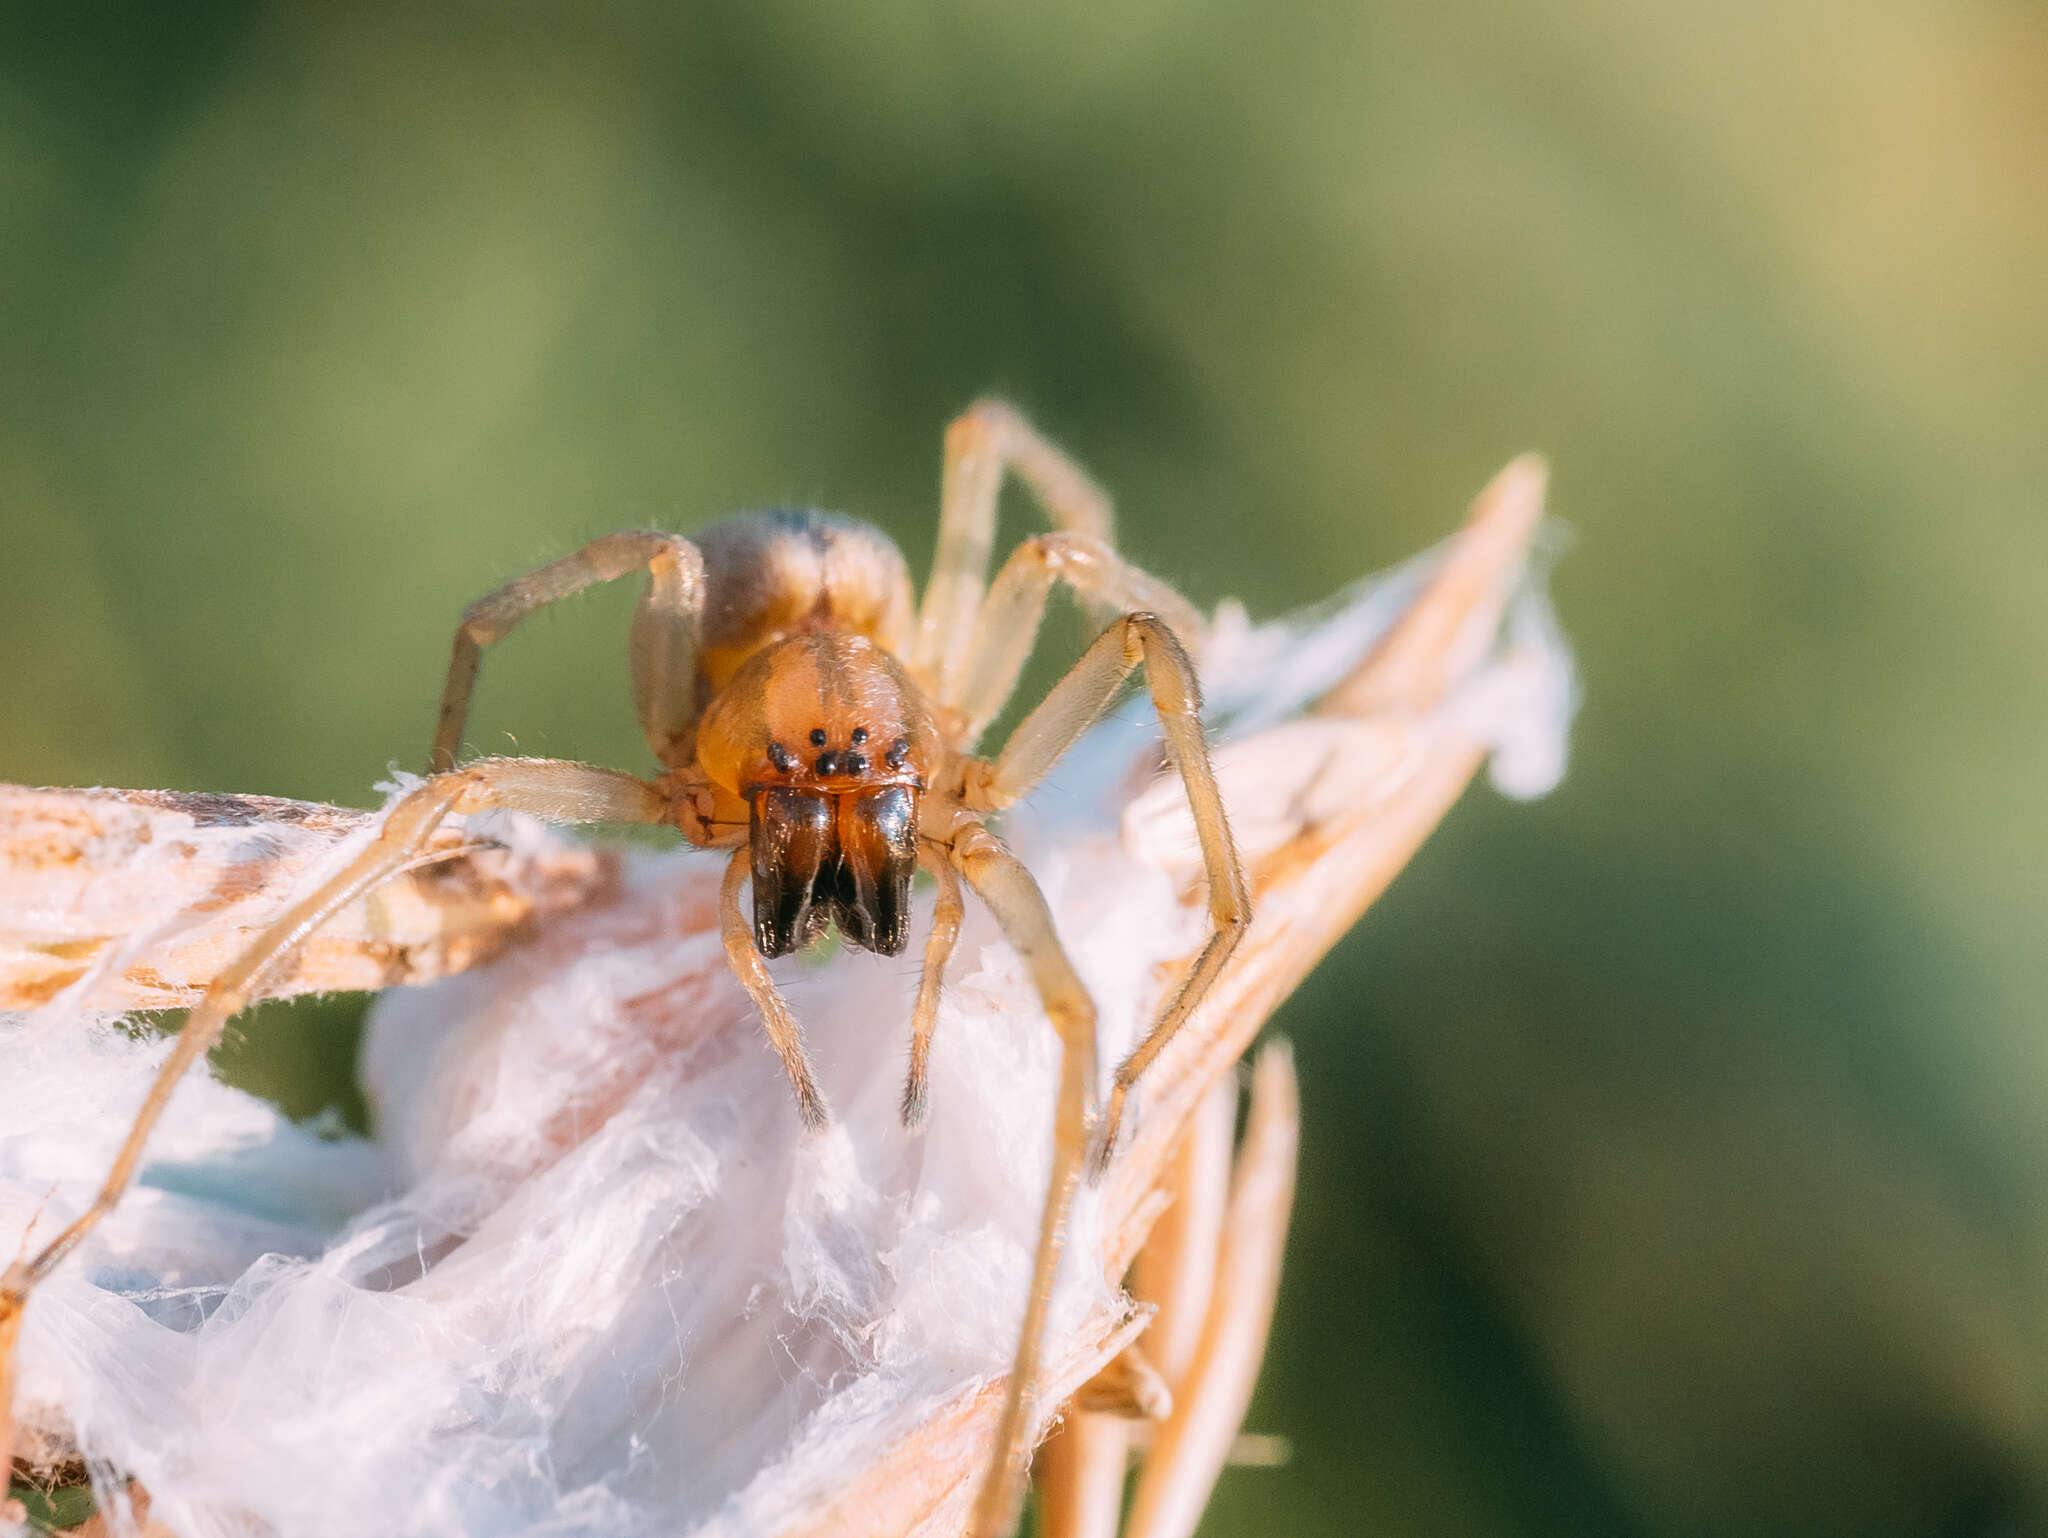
[[1191, 1448], [87, 877]]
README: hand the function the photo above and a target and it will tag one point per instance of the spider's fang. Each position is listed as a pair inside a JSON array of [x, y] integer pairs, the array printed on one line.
[[793, 844]]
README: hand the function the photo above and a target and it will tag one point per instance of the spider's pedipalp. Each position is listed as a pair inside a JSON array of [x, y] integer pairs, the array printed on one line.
[[947, 912], [747, 964]]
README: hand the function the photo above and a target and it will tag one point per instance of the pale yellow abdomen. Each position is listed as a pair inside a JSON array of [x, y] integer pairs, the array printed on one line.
[[790, 572]]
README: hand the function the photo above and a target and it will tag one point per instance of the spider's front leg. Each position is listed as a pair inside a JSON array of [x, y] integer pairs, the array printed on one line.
[[554, 789]]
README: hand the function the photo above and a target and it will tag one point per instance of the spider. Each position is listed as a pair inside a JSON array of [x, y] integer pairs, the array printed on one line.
[[811, 719]]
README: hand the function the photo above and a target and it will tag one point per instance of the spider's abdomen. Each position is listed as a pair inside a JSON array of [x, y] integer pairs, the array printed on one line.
[[793, 571]]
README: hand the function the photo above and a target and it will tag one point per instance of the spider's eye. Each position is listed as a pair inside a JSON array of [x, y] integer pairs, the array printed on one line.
[[781, 757], [860, 735], [817, 736]]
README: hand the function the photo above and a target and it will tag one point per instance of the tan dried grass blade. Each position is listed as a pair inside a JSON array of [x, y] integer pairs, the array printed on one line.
[[83, 871]]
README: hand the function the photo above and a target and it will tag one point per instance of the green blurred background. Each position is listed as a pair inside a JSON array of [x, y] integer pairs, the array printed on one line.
[[1675, 1154]]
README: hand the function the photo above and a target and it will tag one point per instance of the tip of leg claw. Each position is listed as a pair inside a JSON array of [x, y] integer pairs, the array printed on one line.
[[1103, 1150], [914, 1106]]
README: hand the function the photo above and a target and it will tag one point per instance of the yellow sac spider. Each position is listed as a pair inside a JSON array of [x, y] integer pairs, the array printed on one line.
[[812, 718]]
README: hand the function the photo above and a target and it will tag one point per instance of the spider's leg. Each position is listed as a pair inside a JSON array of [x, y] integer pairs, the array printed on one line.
[[1073, 705], [663, 642], [1007, 627], [783, 1032], [1002, 882], [938, 950], [987, 439], [552, 788]]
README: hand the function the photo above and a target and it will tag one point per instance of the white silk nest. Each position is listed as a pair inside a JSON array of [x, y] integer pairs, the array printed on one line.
[[591, 1277]]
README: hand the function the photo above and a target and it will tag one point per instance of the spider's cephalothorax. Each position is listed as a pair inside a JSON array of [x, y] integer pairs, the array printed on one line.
[[815, 724], [828, 742], [814, 718]]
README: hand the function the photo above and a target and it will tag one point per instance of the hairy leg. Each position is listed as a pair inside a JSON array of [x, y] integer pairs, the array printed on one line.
[[745, 959], [663, 641], [983, 442], [550, 788], [938, 950], [1007, 628], [1075, 703], [1001, 881]]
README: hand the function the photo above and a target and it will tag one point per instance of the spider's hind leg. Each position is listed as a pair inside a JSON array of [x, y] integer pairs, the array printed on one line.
[[1006, 630]]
